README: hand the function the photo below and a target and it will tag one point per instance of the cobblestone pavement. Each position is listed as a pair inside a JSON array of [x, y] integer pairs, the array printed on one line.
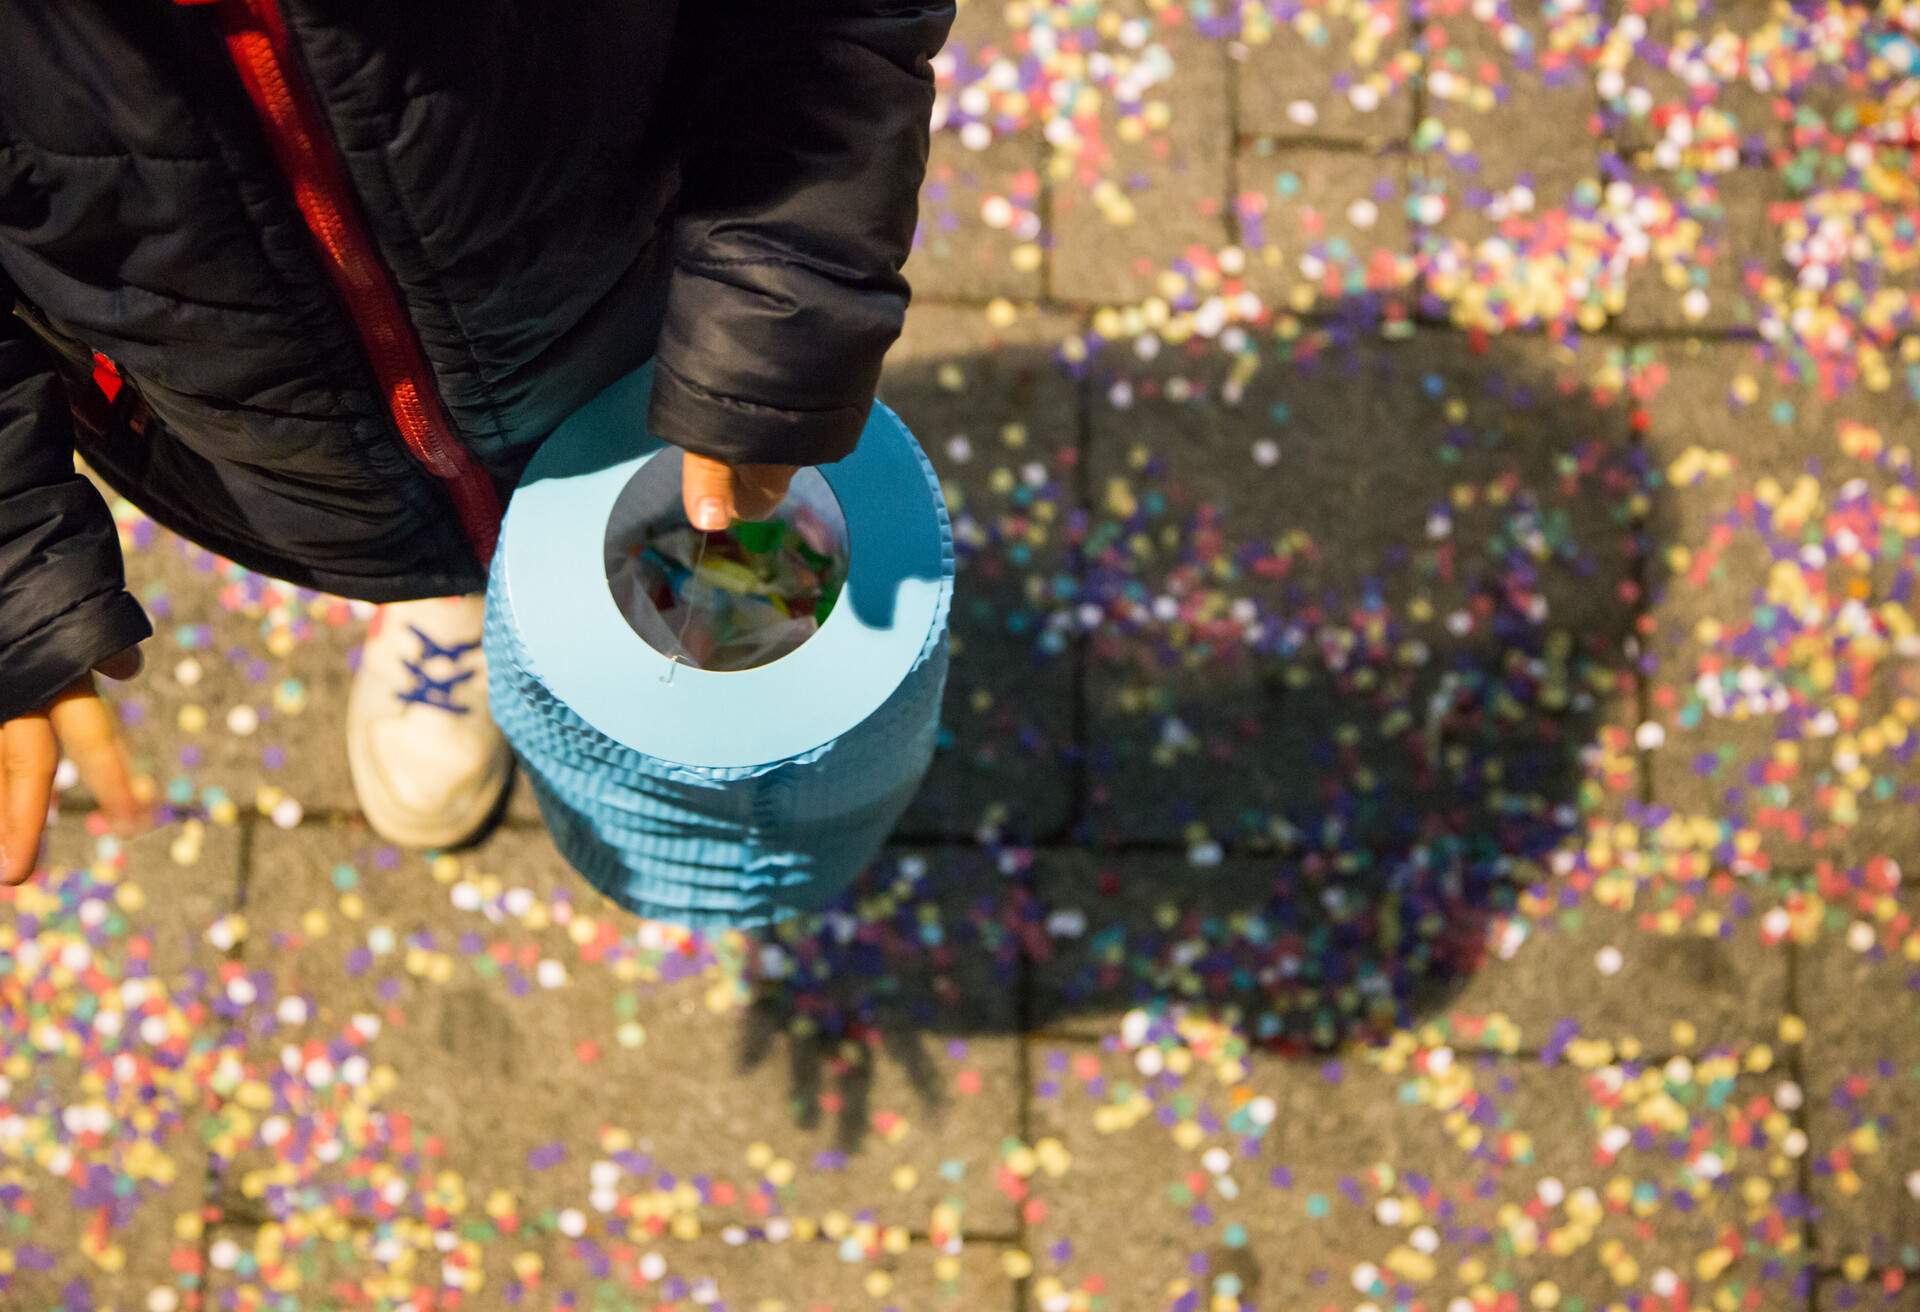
[[1428, 770]]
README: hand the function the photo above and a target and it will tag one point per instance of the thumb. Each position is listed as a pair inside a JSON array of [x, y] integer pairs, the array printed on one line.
[[706, 490], [123, 664], [758, 490]]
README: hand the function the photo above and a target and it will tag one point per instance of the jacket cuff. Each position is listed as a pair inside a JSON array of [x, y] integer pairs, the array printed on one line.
[[740, 432], [38, 665]]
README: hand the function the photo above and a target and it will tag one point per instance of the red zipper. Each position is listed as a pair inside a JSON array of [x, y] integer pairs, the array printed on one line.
[[106, 377], [256, 35]]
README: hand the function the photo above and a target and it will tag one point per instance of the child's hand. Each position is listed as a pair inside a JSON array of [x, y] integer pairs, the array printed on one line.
[[716, 494], [78, 723]]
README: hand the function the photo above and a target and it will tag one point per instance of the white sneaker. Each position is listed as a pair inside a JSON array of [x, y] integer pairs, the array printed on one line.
[[428, 764]]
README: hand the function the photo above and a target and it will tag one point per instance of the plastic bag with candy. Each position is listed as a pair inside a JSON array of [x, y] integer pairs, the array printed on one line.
[[738, 598]]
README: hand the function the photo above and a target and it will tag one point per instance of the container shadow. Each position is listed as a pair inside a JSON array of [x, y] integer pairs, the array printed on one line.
[[1346, 661]]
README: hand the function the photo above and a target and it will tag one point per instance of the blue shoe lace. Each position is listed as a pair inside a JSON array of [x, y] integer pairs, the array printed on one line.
[[427, 690]]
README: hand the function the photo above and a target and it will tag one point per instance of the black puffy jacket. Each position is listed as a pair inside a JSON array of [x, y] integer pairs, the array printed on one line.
[[355, 260]]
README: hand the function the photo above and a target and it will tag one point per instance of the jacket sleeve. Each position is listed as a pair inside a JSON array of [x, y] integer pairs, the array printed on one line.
[[806, 143], [63, 600]]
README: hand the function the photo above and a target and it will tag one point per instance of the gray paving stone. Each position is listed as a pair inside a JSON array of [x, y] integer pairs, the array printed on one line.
[[243, 699], [484, 1023], [1758, 795], [1777, 720], [1323, 227], [1118, 225], [1423, 1178], [979, 218], [1493, 160], [984, 152], [113, 1027], [1716, 234], [1860, 996], [245, 689], [1655, 55], [1286, 953], [1822, 117], [999, 417], [265, 1269], [1421, 475], [1304, 961], [1341, 71], [1868, 1296], [1678, 967], [1733, 399], [1867, 285], [1851, 247]]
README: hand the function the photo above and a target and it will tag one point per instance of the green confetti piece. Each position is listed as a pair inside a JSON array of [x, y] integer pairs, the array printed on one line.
[[759, 536]]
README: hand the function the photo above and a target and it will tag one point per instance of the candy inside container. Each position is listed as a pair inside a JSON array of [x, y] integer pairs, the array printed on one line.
[[728, 600]]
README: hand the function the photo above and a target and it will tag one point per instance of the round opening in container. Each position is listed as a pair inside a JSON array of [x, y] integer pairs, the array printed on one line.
[[732, 600]]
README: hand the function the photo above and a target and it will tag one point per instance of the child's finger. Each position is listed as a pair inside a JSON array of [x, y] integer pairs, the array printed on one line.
[[758, 490], [706, 489], [86, 731], [123, 664], [29, 754], [6, 834]]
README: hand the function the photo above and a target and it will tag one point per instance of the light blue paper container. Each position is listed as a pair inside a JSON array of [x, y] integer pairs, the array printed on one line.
[[705, 798]]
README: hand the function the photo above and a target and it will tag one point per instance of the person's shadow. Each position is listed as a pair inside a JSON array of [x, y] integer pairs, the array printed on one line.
[[1276, 675]]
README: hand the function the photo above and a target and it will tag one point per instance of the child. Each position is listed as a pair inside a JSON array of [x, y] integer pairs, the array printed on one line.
[[335, 271]]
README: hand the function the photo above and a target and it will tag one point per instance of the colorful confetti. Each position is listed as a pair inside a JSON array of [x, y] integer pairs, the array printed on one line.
[[1425, 814]]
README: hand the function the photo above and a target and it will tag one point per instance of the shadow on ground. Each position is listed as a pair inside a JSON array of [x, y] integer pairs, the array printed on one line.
[[1350, 621]]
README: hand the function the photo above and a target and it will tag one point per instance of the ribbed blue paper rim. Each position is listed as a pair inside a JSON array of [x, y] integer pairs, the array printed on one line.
[[734, 845]]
